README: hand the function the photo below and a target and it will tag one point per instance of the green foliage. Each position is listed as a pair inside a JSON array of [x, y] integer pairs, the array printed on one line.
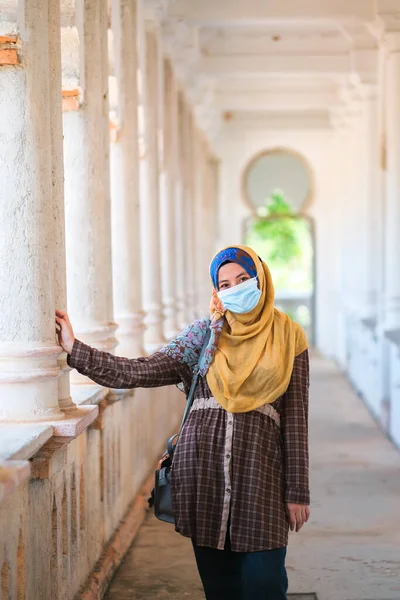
[[277, 206], [284, 241]]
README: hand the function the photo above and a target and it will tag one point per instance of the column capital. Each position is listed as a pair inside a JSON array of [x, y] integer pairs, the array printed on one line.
[[180, 42]]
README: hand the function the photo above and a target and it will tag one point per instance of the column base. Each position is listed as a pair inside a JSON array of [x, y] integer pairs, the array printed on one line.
[[100, 336], [130, 335], [65, 402], [152, 347], [171, 329], [153, 335], [190, 312], [29, 375]]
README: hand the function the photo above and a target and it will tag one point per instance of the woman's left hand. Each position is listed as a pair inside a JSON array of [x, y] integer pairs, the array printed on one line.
[[298, 515]]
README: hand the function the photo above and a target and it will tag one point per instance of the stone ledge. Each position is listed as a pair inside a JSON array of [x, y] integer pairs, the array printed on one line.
[[22, 441], [12, 474], [83, 394], [76, 421]]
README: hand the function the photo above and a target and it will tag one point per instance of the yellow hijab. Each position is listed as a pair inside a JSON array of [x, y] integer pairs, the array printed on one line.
[[253, 361]]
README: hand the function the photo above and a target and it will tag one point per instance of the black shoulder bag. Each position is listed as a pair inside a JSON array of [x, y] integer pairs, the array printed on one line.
[[161, 494]]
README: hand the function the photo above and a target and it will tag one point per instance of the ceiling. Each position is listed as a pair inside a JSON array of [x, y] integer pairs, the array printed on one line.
[[271, 57]]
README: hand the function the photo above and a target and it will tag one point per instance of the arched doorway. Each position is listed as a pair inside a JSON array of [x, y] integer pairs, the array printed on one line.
[[277, 186]]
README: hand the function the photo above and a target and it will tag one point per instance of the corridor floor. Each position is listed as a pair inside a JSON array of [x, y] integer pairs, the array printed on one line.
[[350, 549]]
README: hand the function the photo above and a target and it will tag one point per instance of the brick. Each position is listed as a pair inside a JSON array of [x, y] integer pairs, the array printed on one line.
[[8, 39], [70, 100], [9, 56]]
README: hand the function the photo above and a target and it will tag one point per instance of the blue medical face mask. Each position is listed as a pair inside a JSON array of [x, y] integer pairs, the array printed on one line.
[[241, 298]]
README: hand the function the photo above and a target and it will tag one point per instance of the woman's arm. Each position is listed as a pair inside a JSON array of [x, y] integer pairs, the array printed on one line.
[[294, 420], [117, 372]]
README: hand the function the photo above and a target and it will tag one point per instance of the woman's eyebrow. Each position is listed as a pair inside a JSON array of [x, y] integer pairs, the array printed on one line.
[[236, 277]]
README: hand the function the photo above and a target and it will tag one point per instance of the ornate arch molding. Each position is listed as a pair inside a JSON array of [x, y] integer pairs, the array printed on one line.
[[276, 151]]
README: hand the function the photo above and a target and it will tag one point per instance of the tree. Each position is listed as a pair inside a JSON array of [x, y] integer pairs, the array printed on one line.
[[283, 240]]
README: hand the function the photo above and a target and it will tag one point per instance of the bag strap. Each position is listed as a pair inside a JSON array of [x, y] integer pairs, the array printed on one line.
[[190, 397]]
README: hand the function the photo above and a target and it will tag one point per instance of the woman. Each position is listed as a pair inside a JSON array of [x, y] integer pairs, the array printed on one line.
[[240, 472]]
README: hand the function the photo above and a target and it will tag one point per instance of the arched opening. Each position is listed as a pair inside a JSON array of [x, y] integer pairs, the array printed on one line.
[[277, 186]]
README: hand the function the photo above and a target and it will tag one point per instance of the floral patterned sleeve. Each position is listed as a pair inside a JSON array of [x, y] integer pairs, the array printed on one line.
[[187, 346]]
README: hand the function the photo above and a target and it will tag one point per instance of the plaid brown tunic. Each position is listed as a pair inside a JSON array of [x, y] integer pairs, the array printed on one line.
[[235, 470]]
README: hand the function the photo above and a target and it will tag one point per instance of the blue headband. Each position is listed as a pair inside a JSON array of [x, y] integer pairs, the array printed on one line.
[[235, 255]]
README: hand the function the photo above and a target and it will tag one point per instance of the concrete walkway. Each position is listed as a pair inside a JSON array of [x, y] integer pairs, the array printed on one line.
[[350, 550]]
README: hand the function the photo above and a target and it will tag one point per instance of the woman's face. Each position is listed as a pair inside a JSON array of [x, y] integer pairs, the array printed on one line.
[[230, 275]]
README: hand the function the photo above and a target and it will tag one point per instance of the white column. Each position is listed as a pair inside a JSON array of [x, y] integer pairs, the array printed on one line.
[[192, 225], [369, 219], [56, 133], [205, 217], [202, 257], [31, 242], [360, 211], [188, 210], [392, 213], [353, 209], [180, 256], [214, 202], [87, 179], [180, 233], [341, 193], [168, 175], [124, 158], [149, 188], [210, 201]]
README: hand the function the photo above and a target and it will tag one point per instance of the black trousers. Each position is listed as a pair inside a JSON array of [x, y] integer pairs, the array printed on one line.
[[228, 575]]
